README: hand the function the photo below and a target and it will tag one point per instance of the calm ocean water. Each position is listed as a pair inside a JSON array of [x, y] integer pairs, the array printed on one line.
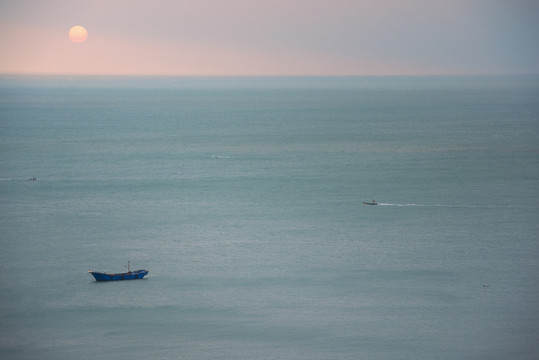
[[243, 198]]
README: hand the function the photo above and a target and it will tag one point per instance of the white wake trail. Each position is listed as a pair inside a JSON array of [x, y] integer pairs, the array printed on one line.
[[455, 205]]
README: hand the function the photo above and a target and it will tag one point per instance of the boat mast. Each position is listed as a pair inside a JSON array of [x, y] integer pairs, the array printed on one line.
[[128, 266]]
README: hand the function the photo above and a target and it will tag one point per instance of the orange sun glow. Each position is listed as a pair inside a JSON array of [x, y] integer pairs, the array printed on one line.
[[78, 34]]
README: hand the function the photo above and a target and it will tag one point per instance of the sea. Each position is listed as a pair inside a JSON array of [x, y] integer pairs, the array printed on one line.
[[243, 198]]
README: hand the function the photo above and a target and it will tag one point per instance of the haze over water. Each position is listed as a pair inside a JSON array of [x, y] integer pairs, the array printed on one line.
[[243, 198]]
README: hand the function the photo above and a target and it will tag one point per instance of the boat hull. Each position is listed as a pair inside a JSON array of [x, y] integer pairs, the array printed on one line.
[[369, 203], [132, 275]]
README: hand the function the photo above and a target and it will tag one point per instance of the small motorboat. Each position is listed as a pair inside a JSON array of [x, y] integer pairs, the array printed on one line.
[[374, 202], [129, 275]]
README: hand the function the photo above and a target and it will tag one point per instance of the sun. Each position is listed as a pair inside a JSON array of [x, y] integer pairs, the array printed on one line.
[[78, 34]]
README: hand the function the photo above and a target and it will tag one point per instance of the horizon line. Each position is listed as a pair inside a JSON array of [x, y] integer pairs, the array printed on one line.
[[18, 74]]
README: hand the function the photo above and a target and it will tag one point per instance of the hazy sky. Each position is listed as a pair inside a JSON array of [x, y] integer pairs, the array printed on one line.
[[271, 37]]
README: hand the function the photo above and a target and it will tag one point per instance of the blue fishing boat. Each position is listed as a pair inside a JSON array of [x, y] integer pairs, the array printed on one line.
[[129, 275]]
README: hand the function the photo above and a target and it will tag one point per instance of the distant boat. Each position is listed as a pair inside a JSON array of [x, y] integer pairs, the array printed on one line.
[[374, 202], [129, 275]]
